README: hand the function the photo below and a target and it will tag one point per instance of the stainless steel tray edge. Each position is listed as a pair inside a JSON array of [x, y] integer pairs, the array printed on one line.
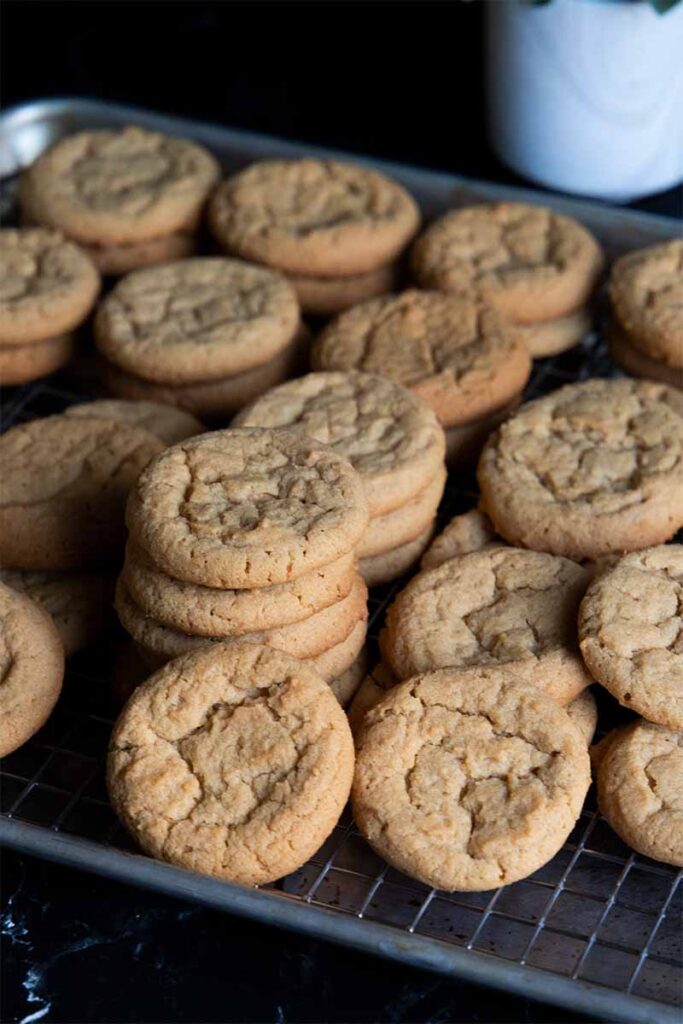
[[378, 939]]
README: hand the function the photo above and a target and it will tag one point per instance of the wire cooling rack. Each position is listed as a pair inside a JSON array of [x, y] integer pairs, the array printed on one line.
[[599, 927]]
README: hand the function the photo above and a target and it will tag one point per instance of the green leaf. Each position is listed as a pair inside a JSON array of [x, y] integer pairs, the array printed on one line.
[[662, 6]]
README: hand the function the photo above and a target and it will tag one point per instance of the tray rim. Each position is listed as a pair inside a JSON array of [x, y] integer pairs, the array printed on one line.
[[277, 909], [16, 116], [291, 914]]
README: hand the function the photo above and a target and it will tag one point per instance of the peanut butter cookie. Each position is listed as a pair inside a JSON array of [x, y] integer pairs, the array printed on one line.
[[646, 289], [389, 435], [118, 187], [196, 319], [592, 468], [501, 606], [247, 508], [318, 217], [638, 363], [31, 668], [306, 638], [468, 779], [461, 358], [529, 262], [640, 789], [22, 363], [470, 531], [631, 632], [65, 481], [210, 611], [234, 762], [47, 286], [79, 603]]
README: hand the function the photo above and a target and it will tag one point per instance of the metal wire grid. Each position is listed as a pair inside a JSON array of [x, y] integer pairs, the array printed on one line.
[[596, 913]]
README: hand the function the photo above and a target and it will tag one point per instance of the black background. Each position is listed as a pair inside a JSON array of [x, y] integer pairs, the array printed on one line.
[[401, 80]]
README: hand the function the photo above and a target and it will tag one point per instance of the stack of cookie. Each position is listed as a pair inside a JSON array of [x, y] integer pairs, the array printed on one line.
[[630, 630], [458, 355], [393, 440], [130, 197], [592, 469], [538, 268], [645, 335], [206, 334], [65, 480], [47, 288], [335, 229], [247, 534]]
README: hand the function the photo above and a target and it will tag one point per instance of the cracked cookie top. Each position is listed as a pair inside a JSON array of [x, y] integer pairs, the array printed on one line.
[[646, 289], [47, 285], [247, 508], [31, 668], [449, 349], [467, 532], [65, 481], [591, 468], [235, 762], [631, 632], [499, 606], [117, 187], [468, 779], [531, 263], [390, 437], [318, 217], [196, 320], [640, 789]]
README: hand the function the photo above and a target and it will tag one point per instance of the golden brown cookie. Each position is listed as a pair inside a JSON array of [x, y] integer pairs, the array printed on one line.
[[500, 606], [211, 400], [529, 262], [65, 481], [31, 668], [47, 286], [327, 296], [391, 565], [166, 422], [462, 359], [592, 468], [638, 363], [390, 436], [196, 320], [470, 531], [646, 288], [234, 762], [404, 524], [247, 508], [631, 632], [307, 638], [468, 779], [22, 363], [550, 337], [583, 713], [317, 217], [79, 603], [210, 611], [640, 789], [118, 187]]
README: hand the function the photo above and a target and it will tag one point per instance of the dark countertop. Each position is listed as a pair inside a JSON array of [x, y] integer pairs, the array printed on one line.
[[81, 948]]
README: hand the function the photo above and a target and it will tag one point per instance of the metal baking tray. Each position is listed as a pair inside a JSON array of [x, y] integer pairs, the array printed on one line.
[[596, 930]]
